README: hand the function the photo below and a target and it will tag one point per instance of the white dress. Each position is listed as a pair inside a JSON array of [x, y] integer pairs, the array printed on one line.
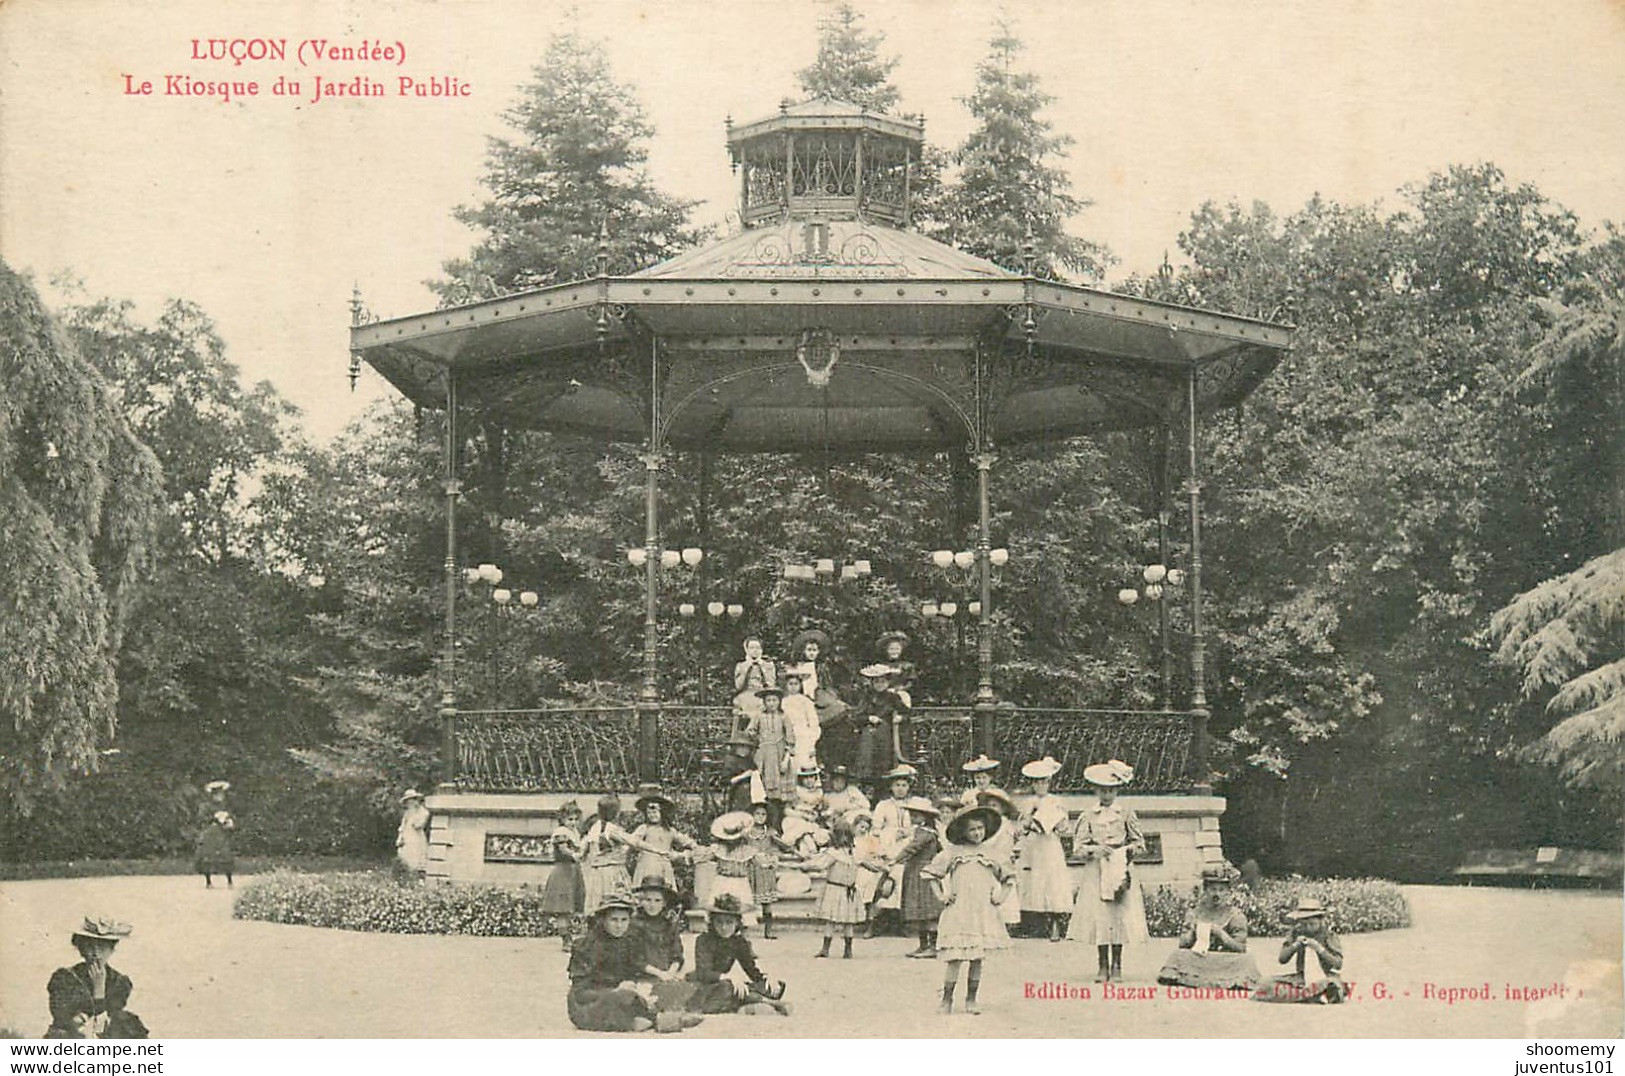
[[1045, 884], [893, 827], [970, 925], [801, 721]]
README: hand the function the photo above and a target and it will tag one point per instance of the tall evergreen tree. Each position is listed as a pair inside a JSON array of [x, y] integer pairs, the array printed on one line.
[[78, 496], [849, 66], [577, 162], [1008, 179]]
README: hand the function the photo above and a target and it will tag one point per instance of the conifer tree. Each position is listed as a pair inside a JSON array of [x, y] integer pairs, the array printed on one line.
[[1008, 180], [849, 66], [77, 513], [576, 163]]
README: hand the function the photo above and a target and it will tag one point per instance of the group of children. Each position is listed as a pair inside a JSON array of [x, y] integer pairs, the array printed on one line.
[[955, 873]]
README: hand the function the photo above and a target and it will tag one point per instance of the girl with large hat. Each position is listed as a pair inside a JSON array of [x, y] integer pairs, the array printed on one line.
[[88, 999], [1213, 949], [717, 952], [893, 827], [920, 906], [728, 861], [981, 771], [1046, 887], [805, 814], [971, 883], [1000, 845], [656, 839], [1317, 958], [1110, 911]]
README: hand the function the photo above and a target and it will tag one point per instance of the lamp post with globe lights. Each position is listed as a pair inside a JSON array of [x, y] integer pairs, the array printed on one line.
[[1157, 581]]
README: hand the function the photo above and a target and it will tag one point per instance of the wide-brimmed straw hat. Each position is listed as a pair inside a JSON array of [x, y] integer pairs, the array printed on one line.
[[901, 772], [840, 771], [732, 826], [1224, 873], [809, 770], [1041, 769], [811, 635], [922, 805], [1308, 908], [776, 692], [998, 799], [980, 764], [217, 786], [98, 928], [877, 670], [1113, 774], [991, 821], [411, 794]]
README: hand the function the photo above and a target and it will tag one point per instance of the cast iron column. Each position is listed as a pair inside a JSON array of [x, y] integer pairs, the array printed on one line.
[[1164, 513], [448, 659], [985, 698], [1199, 711], [649, 694]]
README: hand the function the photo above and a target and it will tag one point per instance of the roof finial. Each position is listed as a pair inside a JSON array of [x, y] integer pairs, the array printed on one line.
[[1029, 251], [603, 246], [356, 312]]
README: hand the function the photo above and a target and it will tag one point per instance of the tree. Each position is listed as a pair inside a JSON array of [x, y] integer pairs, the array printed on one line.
[[577, 164], [213, 653], [849, 66], [78, 503], [1008, 181], [1564, 635]]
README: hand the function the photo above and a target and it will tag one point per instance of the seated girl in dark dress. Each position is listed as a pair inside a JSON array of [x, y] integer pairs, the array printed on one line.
[[88, 1000], [610, 987], [722, 946], [1317, 959]]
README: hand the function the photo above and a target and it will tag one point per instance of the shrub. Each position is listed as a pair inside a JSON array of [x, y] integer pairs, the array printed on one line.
[[377, 901], [1353, 906]]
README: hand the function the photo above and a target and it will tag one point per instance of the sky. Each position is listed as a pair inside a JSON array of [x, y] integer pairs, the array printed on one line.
[[267, 211]]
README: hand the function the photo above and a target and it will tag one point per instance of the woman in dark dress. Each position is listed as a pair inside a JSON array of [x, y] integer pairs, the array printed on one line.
[[716, 952], [881, 718], [88, 1000], [216, 825]]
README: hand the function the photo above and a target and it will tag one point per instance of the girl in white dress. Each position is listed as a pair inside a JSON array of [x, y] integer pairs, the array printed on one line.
[[971, 883], [1046, 889], [1110, 911]]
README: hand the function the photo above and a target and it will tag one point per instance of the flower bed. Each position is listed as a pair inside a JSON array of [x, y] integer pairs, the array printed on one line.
[[379, 902], [1353, 906]]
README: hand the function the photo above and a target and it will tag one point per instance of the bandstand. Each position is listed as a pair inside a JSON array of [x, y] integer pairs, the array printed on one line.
[[826, 319]]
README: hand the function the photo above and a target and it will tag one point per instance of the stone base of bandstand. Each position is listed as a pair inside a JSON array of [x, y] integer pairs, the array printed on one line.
[[502, 839]]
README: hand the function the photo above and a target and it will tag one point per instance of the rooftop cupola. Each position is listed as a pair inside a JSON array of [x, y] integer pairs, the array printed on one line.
[[825, 160]]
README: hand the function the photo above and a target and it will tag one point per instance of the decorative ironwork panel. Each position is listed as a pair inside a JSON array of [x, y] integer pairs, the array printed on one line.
[[825, 167], [547, 750], [942, 743], [1156, 743], [518, 848], [693, 743]]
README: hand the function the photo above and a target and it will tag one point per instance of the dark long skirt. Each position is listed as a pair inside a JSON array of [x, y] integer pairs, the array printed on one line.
[[597, 1009]]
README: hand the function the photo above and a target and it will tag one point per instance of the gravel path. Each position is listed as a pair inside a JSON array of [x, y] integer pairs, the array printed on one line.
[[200, 973]]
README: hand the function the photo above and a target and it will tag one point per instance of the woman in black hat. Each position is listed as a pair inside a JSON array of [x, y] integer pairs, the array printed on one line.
[[88, 999]]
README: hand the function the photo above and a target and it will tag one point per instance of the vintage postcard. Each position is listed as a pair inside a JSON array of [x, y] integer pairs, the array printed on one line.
[[824, 519]]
